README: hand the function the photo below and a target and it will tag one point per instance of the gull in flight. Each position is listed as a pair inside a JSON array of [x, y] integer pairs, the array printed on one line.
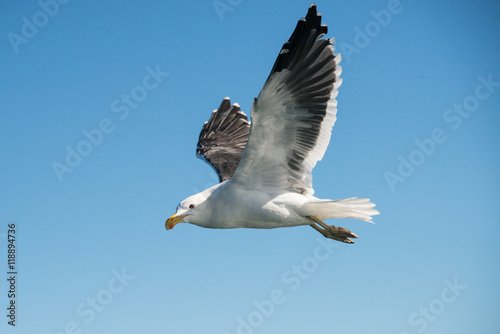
[[265, 167]]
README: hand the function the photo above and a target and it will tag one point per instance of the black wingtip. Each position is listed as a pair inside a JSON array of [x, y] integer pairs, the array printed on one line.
[[225, 105], [313, 18], [312, 11], [312, 22]]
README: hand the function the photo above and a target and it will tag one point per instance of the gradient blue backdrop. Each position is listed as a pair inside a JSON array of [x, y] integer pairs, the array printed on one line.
[[77, 233]]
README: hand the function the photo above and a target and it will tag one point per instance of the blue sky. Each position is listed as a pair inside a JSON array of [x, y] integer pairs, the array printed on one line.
[[129, 84]]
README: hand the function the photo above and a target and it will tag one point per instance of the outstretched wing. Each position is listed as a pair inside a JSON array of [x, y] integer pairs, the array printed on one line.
[[293, 116], [223, 138]]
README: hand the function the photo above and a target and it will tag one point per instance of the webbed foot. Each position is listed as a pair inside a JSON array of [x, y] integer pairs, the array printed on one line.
[[333, 232]]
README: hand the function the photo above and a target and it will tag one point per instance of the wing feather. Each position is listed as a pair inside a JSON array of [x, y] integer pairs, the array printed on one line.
[[293, 116], [223, 138]]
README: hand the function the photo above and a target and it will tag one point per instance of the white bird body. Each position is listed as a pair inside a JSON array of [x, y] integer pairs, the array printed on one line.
[[226, 205], [231, 206]]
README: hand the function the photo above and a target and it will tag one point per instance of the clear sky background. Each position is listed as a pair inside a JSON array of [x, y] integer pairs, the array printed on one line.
[[417, 133]]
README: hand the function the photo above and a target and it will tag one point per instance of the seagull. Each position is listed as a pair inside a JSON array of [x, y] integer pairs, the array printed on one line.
[[264, 167]]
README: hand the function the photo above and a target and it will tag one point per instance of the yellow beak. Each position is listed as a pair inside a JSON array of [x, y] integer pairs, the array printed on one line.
[[174, 220]]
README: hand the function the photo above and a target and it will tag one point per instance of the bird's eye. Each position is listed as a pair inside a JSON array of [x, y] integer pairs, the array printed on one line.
[[191, 206]]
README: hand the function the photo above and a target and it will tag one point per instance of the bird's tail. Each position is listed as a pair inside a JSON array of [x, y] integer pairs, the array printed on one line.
[[357, 208]]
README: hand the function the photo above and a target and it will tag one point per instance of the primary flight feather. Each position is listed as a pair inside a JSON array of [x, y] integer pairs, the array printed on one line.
[[265, 167]]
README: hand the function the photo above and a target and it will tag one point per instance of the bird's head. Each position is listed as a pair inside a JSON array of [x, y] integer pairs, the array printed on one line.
[[186, 208], [192, 209]]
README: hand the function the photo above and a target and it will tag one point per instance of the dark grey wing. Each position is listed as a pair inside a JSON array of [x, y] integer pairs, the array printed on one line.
[[223, 139]]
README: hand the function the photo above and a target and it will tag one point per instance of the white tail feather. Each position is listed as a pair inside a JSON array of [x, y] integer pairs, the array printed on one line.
[[357, 208]]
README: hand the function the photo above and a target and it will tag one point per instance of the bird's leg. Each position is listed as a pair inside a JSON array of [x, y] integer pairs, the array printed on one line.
[[333, 232]]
